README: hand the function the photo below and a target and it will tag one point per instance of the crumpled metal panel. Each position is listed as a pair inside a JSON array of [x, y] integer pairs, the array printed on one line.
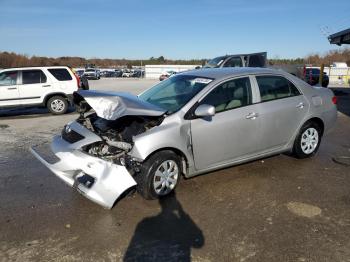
[[110, 180], [113, 105]]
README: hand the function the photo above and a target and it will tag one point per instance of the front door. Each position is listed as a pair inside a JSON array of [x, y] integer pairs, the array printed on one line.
[[9, 94], [232, 133]]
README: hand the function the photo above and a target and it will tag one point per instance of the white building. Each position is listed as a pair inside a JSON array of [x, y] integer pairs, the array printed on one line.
[[155, 71]]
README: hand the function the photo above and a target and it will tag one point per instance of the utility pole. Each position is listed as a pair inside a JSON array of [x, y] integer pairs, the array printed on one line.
[[141, 69], [321, 74]]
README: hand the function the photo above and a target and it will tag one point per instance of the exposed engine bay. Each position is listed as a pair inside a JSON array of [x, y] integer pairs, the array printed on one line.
[[117, 135], [118, 117]]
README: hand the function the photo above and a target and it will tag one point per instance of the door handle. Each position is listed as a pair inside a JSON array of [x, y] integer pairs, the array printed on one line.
[[300, 105], [252, 115], [46, 85], [11, 88]]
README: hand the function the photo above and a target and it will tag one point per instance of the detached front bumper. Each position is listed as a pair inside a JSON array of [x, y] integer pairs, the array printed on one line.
[[100, 181]]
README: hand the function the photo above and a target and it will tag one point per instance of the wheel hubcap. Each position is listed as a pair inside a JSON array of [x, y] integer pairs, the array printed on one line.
[[166, 177], [57, 105], [309, 140]]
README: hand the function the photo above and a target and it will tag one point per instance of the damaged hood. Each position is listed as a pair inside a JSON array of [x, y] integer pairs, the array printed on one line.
[[113, 105]]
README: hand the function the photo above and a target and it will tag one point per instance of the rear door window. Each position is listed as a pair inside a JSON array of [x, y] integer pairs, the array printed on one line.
[[61, 74], [8, 78], [33, 77], [275, 87]]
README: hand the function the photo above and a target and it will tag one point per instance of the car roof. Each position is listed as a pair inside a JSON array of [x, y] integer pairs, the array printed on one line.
[[31, 67], [218, 73]]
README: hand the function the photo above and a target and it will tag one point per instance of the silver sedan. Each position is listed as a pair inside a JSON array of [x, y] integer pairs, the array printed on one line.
[[189, 124]]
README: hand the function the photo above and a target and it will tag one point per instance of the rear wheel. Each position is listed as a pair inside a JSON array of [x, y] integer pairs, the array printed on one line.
[[57, 105], [308, 140], [159, 175]]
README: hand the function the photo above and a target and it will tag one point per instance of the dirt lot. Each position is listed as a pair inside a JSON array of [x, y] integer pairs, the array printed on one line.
[[276, 209]]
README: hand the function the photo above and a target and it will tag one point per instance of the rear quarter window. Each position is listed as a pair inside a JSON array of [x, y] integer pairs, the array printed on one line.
[[61, 74], [257, 61]]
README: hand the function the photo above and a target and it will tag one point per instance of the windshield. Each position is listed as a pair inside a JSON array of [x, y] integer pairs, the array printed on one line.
[[172, 94], [90, 70], [215, 62]]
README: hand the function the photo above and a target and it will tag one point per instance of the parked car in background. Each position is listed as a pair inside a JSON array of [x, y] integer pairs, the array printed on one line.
[[137, 73], [312, 77], [79, 72], [166, 75], [51, 87], [126, 73], [118, 73], [92, 73], [84, 83], [241, 60], [109, 74], [189, 124]]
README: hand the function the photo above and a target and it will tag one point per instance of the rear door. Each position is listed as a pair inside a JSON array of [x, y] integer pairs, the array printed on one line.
[[233, 132], [34, 85], [64, 80], [282, 110], [9, 94]]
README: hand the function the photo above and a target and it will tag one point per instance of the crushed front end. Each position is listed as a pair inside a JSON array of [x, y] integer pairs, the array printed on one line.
[[99, 180], [91, 154]]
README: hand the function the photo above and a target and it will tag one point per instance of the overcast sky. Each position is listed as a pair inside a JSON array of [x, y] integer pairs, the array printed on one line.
[[139, 29]]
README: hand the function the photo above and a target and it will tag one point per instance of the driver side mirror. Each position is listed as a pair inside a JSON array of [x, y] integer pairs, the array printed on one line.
[[205, 110]]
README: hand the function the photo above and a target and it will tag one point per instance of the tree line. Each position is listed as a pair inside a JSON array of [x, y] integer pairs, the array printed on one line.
[[10, 59]]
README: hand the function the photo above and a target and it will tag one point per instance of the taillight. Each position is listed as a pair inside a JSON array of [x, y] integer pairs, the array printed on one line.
[[334, 100], [78, 79]]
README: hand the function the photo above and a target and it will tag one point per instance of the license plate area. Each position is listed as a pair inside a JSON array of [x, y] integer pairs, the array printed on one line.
[[84, 179], [46, 153]]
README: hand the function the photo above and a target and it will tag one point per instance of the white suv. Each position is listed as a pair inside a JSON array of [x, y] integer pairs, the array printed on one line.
[[38, 86]]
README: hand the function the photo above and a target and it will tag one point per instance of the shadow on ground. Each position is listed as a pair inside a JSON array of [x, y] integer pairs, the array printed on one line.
[[30, 112], [168, 236]]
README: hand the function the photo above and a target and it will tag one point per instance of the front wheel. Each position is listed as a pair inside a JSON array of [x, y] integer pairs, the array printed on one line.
[[308, 140], [57, 105], [159, 175]]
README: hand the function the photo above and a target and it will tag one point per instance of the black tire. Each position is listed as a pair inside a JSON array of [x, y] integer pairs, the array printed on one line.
[[301, 148], [61, 105], [145, 178]]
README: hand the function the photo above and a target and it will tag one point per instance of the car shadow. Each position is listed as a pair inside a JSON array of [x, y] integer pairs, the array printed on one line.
[[343, 100], [30, 112], [168, 236]]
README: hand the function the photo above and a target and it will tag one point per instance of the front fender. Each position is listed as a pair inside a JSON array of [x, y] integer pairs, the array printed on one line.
[[167, 135]]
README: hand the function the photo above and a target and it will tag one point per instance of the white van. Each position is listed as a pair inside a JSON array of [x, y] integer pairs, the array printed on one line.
[[52, 87]]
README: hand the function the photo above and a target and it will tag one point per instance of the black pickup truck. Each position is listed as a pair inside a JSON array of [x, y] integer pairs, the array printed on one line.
[[241, 60]]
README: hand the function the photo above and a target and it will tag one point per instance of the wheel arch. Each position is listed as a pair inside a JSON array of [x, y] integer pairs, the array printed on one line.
[[318, 121], [178, 152], [48, 96]]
